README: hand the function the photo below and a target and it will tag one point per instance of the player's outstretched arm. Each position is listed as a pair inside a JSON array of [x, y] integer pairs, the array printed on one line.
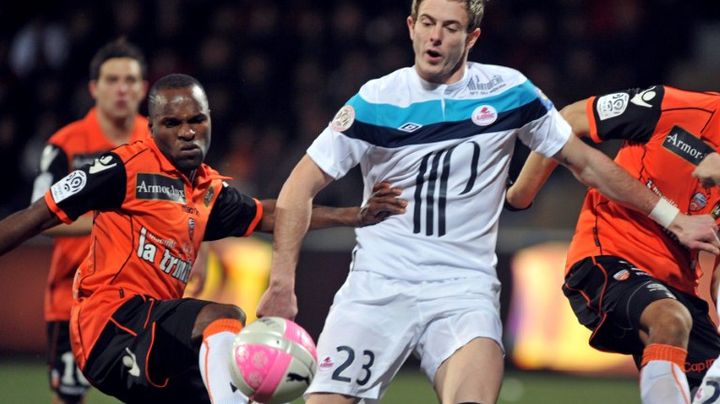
[[292, 219], [595, 169], [537, 168], [80, 227], [384, 202], [24, 224]]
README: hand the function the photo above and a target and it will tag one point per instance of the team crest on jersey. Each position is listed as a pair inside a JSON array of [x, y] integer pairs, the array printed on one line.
[[69, 185], [611, 105], [484, 115], [191, 228], [698, 201], [343, 119]]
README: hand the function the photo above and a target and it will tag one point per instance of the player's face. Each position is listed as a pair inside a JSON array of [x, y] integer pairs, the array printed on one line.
[[119, 88], [181, 126], [440, 40]]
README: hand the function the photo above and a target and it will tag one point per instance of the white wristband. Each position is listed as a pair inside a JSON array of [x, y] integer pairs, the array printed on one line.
[[664, 213]]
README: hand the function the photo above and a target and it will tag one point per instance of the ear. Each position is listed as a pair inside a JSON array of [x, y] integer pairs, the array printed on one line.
[[92, 88], [472, 38], [411, 25]]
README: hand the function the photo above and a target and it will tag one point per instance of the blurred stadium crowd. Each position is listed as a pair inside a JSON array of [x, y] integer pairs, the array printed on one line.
[[276, 71]]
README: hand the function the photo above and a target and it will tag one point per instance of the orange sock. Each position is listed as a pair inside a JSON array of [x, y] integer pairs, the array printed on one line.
[[223, 324], [664, 352]]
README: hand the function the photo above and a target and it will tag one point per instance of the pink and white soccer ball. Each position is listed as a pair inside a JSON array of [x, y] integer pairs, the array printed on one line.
[[273, 360]]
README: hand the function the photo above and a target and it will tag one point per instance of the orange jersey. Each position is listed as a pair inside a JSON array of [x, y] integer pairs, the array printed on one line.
[[666, 133], [71, 147], [149, 222]]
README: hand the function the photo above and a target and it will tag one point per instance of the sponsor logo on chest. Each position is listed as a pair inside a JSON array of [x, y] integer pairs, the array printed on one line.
[[157, 252], [476, 86], [159, 187], [688, 147]]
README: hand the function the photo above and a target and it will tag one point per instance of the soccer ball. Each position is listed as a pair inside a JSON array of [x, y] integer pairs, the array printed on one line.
[[273, 360]]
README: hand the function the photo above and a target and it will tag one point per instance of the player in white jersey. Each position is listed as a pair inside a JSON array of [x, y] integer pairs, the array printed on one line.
[[425, 282]]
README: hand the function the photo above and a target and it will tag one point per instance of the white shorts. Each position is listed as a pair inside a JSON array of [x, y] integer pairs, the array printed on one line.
[[376, 322]]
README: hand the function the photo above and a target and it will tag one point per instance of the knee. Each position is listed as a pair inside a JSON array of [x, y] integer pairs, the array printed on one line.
[[669, 323], [216, 311]]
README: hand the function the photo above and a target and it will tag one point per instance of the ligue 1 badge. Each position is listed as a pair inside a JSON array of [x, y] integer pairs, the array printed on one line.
[[343, 119]]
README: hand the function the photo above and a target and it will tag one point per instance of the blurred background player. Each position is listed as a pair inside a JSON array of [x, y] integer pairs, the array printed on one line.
[[629, 280], [426, 283], [117, 84]]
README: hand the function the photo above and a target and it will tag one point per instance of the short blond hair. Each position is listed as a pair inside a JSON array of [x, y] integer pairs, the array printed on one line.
[[475, 11]]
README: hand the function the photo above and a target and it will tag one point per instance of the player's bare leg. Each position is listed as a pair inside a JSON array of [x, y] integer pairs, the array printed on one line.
[[472, 374]]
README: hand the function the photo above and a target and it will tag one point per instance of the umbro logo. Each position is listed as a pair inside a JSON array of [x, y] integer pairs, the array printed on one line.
[[410, 127]]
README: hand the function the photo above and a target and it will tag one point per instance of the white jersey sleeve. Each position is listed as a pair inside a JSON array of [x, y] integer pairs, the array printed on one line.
[[548, 134], [336, 153]]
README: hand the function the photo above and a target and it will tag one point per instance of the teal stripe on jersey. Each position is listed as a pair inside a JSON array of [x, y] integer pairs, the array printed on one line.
[[431, 112]]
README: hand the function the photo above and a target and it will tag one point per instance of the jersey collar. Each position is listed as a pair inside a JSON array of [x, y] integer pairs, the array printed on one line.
[[433, 87]]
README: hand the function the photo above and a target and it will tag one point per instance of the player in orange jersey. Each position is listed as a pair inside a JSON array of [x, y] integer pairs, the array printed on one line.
[[629, 280], [117, 84], [154, 201]]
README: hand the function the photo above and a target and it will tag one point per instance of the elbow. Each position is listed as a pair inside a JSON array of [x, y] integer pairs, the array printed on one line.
[[517, 199]]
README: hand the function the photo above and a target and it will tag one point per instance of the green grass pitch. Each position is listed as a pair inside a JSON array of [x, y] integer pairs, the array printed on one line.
[[25, 381]]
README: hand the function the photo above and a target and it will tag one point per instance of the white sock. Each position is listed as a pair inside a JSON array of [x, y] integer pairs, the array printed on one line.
[[663, 382], [214, 361]]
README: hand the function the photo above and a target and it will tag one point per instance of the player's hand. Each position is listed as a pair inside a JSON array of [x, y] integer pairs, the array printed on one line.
[[697, 232], [278, 300], [385, 201], [708, 171]]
